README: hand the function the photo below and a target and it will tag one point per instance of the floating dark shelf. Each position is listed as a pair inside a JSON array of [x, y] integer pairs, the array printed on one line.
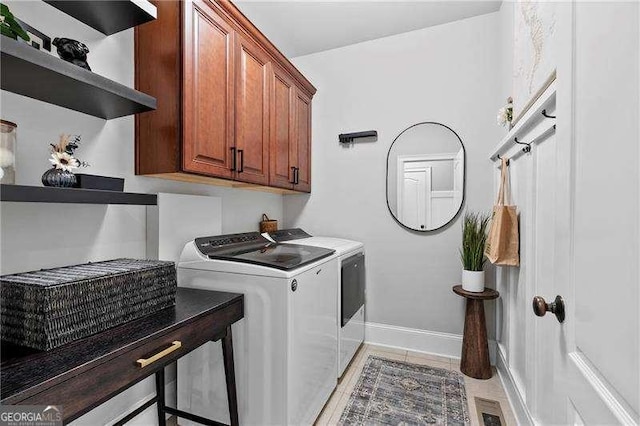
[[43, 194], [108, 16], [39, 75], [350, 137]]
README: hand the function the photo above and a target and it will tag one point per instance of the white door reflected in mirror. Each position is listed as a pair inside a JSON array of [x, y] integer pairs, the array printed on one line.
[[425, 176]]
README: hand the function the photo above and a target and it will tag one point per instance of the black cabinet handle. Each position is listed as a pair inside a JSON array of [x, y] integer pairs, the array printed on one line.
[[233, 159], [296, 176], [241, 154], [293, 175]]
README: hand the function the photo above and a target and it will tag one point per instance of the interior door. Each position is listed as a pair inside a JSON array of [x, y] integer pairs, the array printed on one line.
[[458, 178], [208, 90], [414, 208], [303, 142], [252, 112], [282, 147], [587, 368]]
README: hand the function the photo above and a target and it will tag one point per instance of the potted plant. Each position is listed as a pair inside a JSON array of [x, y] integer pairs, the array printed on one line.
[[474, 238]]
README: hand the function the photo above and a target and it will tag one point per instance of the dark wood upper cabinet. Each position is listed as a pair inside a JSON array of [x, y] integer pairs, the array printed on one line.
[[290, 148], [252, 112], [303, 142], [208, 88], [158, 70], [282, 148], [232, 110]]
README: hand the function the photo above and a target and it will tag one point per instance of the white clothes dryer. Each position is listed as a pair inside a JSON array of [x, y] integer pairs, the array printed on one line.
[[351, 288]]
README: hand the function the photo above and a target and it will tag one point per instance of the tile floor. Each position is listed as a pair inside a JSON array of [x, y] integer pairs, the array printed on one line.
[[489, 389]]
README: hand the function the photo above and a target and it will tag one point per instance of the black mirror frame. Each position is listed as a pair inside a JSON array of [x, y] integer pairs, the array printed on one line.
[[464, 181]]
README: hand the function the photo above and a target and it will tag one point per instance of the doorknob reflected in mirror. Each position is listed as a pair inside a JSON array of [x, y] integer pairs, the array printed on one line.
[[541, 307]]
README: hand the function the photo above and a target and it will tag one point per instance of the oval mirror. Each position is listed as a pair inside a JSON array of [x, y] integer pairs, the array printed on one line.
[[425, 176]]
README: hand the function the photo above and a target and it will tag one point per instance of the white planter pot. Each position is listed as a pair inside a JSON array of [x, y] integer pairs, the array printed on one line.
[[473, 281]]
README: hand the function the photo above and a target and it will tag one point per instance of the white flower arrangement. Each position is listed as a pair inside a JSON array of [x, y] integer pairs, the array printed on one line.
[[64, 161], [505, 114], [62, 154]]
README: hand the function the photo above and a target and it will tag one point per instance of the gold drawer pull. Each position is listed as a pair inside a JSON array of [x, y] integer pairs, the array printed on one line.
[[175, 345]]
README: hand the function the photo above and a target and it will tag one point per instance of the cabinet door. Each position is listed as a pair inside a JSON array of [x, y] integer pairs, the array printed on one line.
[[282, 148], [303, 142], [208, 90], [252, 111]]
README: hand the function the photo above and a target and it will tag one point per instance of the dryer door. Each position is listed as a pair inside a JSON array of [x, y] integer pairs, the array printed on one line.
[[353, 286]]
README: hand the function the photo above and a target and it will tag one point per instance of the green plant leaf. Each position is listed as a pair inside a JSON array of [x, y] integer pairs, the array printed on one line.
[[11, 27], [474, 238], [6, 31]]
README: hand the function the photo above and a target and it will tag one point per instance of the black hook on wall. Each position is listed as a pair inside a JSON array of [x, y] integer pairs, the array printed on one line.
[[544, 112], [527, 148], [500, 158]]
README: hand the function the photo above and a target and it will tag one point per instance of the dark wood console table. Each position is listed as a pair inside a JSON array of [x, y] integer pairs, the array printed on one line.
[[475, 347], [81, 375]]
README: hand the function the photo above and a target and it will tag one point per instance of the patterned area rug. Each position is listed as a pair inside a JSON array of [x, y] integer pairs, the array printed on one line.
[[399, 393]]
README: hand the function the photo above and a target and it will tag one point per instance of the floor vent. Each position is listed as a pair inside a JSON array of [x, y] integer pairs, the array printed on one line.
[[489, 412]]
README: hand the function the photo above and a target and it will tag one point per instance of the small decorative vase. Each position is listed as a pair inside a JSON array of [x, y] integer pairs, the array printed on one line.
[[58, 178], [473, 281], [7, 152]]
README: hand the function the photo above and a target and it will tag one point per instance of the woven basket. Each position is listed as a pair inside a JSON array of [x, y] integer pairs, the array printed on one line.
[[268, 225], [48, 308]]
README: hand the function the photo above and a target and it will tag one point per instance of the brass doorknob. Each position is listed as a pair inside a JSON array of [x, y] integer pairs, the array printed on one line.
[[541, 307]]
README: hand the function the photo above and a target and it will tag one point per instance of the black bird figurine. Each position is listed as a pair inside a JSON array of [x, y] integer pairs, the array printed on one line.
[[72, 51]]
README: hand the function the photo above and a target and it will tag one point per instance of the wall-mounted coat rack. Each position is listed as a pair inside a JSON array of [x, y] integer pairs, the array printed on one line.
[[350, 137], [500, 158], [535, 125], [527, 147], [544, 112]]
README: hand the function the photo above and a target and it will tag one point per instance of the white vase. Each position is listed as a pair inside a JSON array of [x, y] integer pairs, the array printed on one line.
[[473, 281]]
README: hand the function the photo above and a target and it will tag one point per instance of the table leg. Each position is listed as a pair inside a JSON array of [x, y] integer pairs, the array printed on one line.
[[230, 376], [475, 348], [160, 396]]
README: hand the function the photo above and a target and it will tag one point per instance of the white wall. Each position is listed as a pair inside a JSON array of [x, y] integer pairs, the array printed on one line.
[[445, 74], [37, 236], [505, 69]]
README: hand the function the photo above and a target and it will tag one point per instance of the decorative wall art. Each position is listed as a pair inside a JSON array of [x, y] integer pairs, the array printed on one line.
[[534, 53]]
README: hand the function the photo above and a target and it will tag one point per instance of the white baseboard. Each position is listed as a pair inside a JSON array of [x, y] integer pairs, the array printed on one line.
[[413, 339], [520, 411]]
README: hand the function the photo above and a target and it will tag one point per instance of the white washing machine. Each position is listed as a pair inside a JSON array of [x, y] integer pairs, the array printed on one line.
[[351, 288], [285, 347]]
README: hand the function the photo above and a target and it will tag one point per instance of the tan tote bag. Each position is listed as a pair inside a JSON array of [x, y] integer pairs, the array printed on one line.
[[503, 243]]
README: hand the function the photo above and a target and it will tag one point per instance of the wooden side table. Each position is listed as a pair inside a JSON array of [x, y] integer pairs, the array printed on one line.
[[475, 348]]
